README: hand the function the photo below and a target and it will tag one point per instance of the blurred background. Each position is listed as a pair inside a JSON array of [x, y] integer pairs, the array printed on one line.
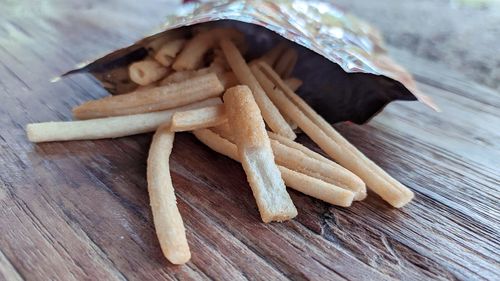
[[459, 37]]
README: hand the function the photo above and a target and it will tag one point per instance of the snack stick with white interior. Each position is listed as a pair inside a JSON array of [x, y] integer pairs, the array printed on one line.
[[146, 72], [346, 155], [286, 63], [293, 83], [298, 161], [193, 119], [303, 183], [167, 53], [167, 219], [191, 56], [256, 155], [109, 127], [298, 158], [155, 99], [270, 113]]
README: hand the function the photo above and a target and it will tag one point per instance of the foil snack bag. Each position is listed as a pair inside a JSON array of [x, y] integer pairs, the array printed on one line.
[[346, 72]]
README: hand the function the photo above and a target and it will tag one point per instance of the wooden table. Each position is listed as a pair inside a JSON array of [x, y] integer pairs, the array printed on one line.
[[80, 210]]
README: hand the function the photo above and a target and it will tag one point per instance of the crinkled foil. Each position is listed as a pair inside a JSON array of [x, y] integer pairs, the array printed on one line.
[[346, 72]]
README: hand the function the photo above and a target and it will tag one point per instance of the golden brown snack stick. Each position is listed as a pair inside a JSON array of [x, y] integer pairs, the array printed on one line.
[[167, 219], [228, 79], [346, 155], [146, 72], [217, 143], [298, 161], [308, 185], [146, 87], [267, 85], [155, 99], [224, 130], [293, 83], [110, 127], [317, 188], [167, 53], [193, 119], [256, 155], [271, 56], [339, 139], [356, 181], [180, 76], [270, 113], [191, 56], [299, 158], [219, 60], [301, 147], [154, 45], [286, 63]]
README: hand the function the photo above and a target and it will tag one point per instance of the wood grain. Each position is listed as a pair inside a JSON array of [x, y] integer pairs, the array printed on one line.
[[79, 210]]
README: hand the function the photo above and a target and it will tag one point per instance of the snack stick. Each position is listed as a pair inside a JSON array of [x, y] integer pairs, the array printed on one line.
[[191, 56], [317, 188], [155, 45], [110, 127], [396, 195], [224, 130], [180, 76], [267, 85], [273, 54], [146, 72], [300, 158], [286, 63], [169, 51], [255, 153], [193, 119], [339, 139], [294, 126], [301, 147], [146, 87], [228, 79], [293, 83], [155, 99], [219, 60], [217, 143], [303, 183], [298, 161], [167, 219], [270, 113]]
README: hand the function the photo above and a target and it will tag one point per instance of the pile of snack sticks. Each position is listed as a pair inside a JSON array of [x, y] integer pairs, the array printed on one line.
[[179, 88]]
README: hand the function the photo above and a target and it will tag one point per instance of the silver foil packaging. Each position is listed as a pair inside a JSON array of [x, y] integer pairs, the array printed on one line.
[[346, 72]]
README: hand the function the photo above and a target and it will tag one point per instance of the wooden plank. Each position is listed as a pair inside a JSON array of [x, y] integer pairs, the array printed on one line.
[[7, 270], [79, 210]]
